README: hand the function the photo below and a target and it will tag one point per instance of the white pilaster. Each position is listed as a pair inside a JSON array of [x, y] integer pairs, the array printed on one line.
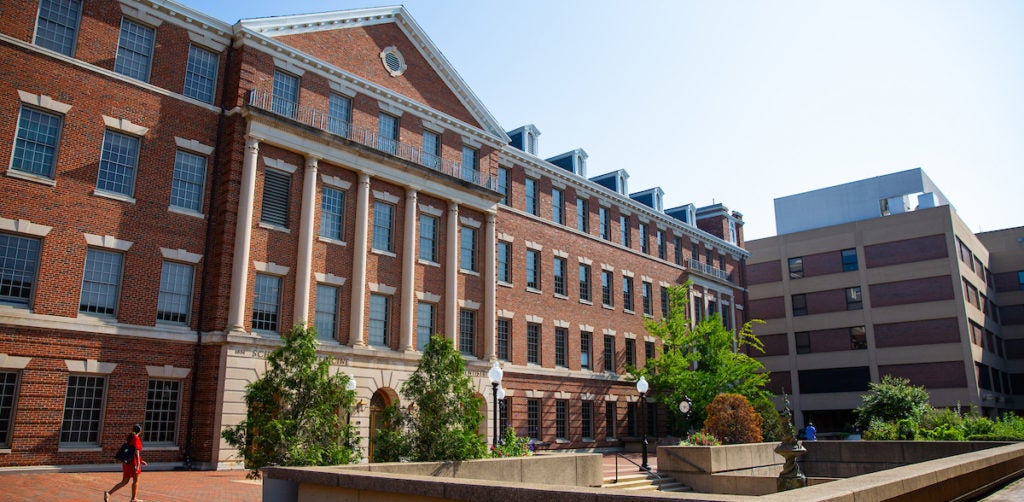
[[409, 271], [490, 286], [303, 269], [359, 261], [451, 282], [243, 237]]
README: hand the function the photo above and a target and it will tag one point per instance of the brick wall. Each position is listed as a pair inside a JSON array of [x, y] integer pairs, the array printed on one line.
[[911, 291]]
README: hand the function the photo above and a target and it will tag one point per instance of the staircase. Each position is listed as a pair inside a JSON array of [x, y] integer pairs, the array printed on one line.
[[645, 482]]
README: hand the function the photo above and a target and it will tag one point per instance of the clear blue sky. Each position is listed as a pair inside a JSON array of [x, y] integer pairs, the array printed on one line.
[[741, 102]]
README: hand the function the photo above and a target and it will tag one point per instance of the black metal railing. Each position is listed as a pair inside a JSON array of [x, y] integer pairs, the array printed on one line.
[[642, 468]]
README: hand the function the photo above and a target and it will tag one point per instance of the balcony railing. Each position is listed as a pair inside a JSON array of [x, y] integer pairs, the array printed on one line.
[[707, 269], [321, 120]]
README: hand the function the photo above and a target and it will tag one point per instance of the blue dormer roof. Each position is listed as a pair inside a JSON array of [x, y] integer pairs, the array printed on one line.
[[574, 161], [686, 213], [615, 181], [651, 198]]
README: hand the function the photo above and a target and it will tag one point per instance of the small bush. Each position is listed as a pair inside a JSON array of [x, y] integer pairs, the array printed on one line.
[[944, 432], [511, 445], [880, 430], [772, 426], [700, 438], [993, 437], [974, 425], [733, 420]]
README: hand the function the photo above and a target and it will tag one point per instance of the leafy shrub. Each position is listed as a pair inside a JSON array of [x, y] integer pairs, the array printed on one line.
[[1009, 426], [944, 432], [892, 399], [993, 437], [700, 438], [880, 430], [733, 420], [772, 426], [975, 425], [906, 429], [511, 445]]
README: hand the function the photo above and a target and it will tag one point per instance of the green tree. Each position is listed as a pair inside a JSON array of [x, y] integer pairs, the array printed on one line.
[[293, 412], [891, 400], [443, 418], [702, 362]]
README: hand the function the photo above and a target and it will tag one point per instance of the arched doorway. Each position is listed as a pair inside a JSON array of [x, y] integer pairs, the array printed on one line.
[[381, 399]]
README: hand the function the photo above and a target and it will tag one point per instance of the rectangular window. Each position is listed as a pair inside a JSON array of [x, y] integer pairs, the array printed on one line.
[[118, 162], [631, 422], [428, 238], [582, 215], [339, 115], [57, 25], [266, 306], [533, 269], [733, 234], [651, 417], [854, 301], [532, 196], [631, 352], [679, 250], [533, 343], [606, 223], [698, 310], [503, 418], [607, 295], [175, 300], [36, 142], [387, 133], [326, 317], [200, 74], [664, 302], [467, 332], [383, 226], [558, 206], [695, 252], [721, 262], [645, 245], [562, 419], [163, 398], [332, 213], [585, 349], [380, 320], [561, 338], [1020, 280], [858, 338], [707, 257], [796, 267], [101, 282], [726, 317], [134, 50], [425, 324], [803, 342], [849, 260], [609, 353], [277, 188], [799, 305], [504, 186], [8, 392], [647, 293], [587, 420], [533, 418], [431, 149], [468, 249], [648, 351], [627, 293], [624, 231], [470, 164], [504, 271], [609, 419], [187, 183], [584, 282], [83, 410], [504, 335], [19, 264], [285, 100], [660, 236], [560, 276]]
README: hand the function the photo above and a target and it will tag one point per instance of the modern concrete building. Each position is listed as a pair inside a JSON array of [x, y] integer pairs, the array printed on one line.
[[181, 191], [881, 277]]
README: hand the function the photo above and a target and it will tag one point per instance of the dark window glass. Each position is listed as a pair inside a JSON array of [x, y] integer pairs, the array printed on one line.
[[849, 260]]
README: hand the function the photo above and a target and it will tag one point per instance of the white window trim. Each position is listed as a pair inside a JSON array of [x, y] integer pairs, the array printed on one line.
[[505, 314], [280, 165], [424, 296], [532, 319], [334, 181], [24, 227], [430, 210], [43, 101], [270, 268], [342, 88], [125, 126], [383, 289], [469, 222], [14, 362], [107, 242], [193, 146], [469, 304], [89, 367], [386, 197], [180, 255], [167, 371], [329, 278]]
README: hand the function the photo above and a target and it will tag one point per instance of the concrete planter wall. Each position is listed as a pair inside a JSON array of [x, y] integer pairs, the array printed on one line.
[[739, 469]]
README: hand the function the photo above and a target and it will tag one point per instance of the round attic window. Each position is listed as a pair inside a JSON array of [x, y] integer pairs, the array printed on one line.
[[393, 61]]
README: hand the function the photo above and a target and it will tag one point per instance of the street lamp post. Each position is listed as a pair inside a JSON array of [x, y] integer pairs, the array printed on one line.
[[350, 386], [501, 402], [494, 375], [641, 387]]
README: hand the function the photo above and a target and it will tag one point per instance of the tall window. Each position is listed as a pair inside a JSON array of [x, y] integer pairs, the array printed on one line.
[[532, 269], [175, 300], [858, 338], [380, 320], [383, 226], [584, 282], [19, 264], [200, 74], [470, 164], [36, 143], [803, 342], [609, 353], [425, 324], [679, 250], [187, 184], [1020, 280], [504, 271], [533, 418], [504, 335], [428, 238], [101, 282], [326, 317], [118, 162], [609, 419], [467, 332], [504, 185], [582, 215], [8, 391], [57, 25], [83, 410], [532, 196], [467, 249], [707, 256], [332, 213], [587, 420], [631, 352], [664, 302], [266, 307], [627, 293], [560, 276], [585, 349], [661, 244], [631, 422], [606, 222], [695, 252], [645, 245], [277, 188], [558, 206], [163, 398], [432, 149], [854, 300], [647, 293], [339, 115], [721, 262], [796, 267], [561, 339], [134, 50], [624, 231], [607, 295], [286, 94], [799, 305], [849, 257], [562, 419], [533, 343], [648, 351]]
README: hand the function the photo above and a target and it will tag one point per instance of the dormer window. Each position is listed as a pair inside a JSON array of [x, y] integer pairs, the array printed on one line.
[[531, 143], [580, 166]]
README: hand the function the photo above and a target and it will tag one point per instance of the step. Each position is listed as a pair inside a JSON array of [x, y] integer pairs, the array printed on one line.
[[643, 482]]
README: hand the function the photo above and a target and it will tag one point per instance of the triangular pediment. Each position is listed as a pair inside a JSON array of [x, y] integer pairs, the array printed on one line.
[[357, 41]]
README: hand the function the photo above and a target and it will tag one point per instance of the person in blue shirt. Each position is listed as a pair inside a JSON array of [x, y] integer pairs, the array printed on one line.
[[811, 432]]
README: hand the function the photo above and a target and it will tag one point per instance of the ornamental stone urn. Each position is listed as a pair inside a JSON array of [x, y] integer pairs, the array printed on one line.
[[791, 476]]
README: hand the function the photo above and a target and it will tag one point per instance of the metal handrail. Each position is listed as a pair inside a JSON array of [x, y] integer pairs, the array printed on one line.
[[642, 468]]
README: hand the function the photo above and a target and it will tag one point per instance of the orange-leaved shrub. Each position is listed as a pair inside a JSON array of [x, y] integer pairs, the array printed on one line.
[[732, 419]]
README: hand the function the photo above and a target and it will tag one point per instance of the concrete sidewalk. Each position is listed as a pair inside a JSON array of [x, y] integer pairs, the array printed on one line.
[[158, 486]]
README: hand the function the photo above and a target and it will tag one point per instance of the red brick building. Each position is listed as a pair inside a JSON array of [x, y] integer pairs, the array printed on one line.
[[181, 191]]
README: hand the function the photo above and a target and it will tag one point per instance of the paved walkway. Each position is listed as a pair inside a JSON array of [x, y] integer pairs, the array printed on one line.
[[162, 486]]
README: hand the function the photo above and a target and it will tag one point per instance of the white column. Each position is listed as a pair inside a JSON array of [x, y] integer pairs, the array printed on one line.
[[451, 282], [243, 237], [490, 286], [303, 270], [409, 271], [359, 261]]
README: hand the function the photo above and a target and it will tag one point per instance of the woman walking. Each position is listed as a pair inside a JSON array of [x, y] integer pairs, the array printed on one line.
[[131, 468]]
